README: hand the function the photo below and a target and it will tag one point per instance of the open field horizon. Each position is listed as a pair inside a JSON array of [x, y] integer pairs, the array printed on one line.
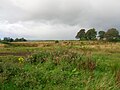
[[59, 45], [60, 65]]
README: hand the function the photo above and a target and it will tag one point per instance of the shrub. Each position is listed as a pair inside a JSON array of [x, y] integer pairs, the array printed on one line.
[[39, 57], [56, 41]]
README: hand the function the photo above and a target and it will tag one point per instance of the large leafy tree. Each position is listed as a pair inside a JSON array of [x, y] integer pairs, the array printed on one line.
[[112, 34], [101, 34], [91, 34], [81, 34], [20, 40], [8, 39]]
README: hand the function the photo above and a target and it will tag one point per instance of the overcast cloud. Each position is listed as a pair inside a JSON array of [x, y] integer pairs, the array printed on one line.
[[56, 19]]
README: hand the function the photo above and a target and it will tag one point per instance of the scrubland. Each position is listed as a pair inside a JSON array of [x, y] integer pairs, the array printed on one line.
[[63, 65]]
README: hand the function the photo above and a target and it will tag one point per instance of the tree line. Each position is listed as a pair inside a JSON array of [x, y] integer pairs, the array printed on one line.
[[111, 34], [9, 39]]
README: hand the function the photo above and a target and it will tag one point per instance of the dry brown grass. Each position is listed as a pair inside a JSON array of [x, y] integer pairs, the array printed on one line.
[[89, 65], [2, 45], [118, 78], [34, 44], [79, 46]]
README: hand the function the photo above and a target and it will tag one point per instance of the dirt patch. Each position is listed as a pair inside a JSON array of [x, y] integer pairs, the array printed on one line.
[[15, 54]]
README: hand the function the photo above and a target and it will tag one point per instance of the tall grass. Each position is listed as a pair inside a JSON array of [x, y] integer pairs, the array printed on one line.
[[74, 67]]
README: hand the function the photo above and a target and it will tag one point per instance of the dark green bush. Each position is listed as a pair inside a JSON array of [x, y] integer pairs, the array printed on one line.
[[56, 41]]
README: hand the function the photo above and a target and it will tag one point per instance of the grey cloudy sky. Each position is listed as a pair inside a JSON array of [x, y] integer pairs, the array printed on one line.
[[56, 19]]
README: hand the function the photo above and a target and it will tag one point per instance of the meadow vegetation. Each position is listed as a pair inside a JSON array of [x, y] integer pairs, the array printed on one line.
[[60, 65]]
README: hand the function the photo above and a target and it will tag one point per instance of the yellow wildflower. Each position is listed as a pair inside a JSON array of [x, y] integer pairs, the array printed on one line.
[[21, 59]]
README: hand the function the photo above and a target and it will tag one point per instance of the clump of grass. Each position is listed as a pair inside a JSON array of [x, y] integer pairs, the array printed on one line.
[[118, 78], [89, 65]]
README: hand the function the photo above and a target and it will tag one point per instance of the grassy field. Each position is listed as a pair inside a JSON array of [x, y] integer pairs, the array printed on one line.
[[63, 65]]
